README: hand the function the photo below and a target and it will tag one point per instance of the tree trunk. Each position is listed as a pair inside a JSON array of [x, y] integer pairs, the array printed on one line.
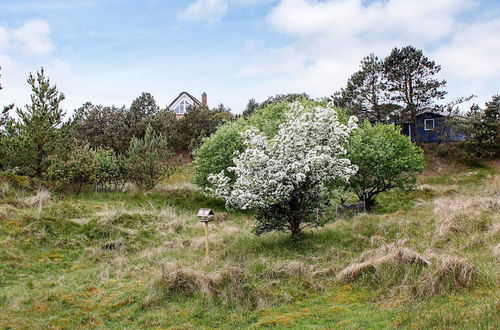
[[295, 220], [295, 227]]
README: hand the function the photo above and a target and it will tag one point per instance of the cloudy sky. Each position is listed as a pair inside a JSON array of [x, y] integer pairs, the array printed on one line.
[[109, 51]]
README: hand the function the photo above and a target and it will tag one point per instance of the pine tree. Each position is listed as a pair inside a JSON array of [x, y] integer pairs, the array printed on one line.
[[38, 124], [410, 81], [252, 105], [364, 95]]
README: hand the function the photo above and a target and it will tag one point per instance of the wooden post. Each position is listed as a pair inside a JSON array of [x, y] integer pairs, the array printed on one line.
[[206, 239]]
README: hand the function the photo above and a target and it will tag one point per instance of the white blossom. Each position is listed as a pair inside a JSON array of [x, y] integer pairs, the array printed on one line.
[[307, 151]]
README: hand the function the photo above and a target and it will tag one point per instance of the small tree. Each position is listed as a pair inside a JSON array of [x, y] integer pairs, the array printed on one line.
[[386, 160], [281, 179], [147, 160], [103, 127], [37, 127]]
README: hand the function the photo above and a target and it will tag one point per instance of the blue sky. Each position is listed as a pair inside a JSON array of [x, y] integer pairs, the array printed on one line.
[[109, 51]]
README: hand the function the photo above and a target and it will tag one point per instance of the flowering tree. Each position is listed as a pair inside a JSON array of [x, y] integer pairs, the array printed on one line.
[[282, 179]]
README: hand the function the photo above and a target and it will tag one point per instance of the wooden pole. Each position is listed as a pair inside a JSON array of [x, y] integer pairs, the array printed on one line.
[[206, 239]]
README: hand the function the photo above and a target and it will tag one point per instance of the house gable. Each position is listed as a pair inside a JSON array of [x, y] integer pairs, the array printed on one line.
[[182, 102]]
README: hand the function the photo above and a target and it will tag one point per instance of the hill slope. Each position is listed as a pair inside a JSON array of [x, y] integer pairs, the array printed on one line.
[[423, 259]]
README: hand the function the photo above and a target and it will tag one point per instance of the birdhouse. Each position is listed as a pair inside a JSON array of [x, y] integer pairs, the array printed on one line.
[[205, 215]]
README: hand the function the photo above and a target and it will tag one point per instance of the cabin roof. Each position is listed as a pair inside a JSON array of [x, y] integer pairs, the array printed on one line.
[[195, 100]]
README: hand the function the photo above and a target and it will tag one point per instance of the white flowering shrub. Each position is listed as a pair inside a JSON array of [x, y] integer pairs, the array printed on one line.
[[281, 179]]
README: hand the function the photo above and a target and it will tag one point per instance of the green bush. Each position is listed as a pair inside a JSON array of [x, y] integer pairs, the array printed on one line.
[[147, 160], [386, 160], [110, 169], [75, 168]]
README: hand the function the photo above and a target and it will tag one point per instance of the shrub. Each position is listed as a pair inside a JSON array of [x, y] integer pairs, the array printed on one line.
[[147, 160], [385, 158], [217, 153], [75, 168], [110, 171], [282, 179]]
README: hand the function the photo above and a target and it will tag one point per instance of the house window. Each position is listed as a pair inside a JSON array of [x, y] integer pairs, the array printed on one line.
[[428, 124], [182, 107]]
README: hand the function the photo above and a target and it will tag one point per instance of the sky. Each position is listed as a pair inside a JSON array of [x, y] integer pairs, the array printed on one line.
[[110, 51]]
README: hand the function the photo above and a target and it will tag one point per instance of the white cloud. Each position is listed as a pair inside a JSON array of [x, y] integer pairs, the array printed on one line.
[[427, 19], [204, 10], [23, 50], [329, 38], [473, 52], [33, 38]]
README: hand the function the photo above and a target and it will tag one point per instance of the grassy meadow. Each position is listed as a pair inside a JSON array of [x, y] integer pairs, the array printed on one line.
[[422, 259]]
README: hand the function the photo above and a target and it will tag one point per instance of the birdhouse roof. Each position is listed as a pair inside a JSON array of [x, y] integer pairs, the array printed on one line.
[[205, 212]]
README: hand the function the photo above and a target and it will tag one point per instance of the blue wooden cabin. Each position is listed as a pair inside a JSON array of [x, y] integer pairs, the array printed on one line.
[[430, 127]]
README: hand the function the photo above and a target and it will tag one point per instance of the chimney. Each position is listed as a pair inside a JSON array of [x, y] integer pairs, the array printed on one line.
[[204, 100]]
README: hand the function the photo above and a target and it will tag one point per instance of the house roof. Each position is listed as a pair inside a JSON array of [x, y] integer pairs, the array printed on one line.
[[440, 113], [195, 100]]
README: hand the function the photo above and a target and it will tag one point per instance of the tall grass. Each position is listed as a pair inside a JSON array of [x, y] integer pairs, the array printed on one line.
[[119, 260]]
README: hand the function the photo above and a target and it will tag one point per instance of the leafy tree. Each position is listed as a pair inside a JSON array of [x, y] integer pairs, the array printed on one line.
[[282, 179], [217, 151], [386, 160], [285, 98], [37, 128], [410, 81], [147, 159], [364, 95]]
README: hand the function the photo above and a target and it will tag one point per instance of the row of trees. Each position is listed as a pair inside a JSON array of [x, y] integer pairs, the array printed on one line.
[[98, 145]]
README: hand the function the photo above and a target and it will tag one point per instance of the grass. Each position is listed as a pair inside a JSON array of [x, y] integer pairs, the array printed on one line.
[[423, 259]]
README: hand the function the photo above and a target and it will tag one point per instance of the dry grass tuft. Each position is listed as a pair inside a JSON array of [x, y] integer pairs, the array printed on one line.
[[449, 272], [459, 214], [230, 286], [296, 268], [394, 253], [188, 281], [42, 198]]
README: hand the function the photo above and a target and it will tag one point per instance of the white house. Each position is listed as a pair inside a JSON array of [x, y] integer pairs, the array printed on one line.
[[182, 102]]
